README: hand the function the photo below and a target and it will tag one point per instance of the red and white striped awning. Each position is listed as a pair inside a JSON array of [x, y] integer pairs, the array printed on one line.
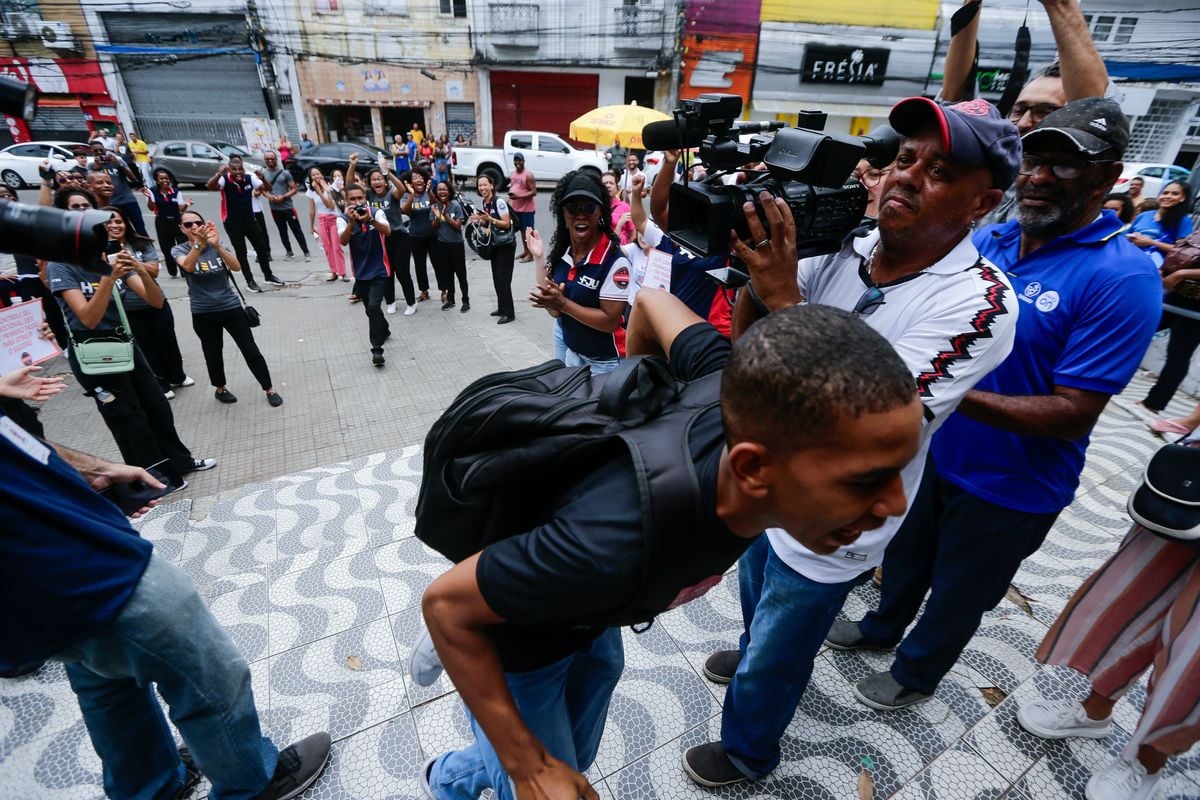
[[344, 101]]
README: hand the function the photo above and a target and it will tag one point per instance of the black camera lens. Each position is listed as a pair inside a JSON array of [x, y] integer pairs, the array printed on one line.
[[75, 237]]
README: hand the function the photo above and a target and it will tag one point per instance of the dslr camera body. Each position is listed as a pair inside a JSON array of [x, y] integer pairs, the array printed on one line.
[[808, 168]]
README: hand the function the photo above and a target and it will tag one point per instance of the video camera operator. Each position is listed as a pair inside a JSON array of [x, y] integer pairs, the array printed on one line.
[[949, 313]]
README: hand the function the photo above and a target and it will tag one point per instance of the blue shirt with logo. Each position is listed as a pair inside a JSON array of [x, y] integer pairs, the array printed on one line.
[[602, 275], [1089, 303]]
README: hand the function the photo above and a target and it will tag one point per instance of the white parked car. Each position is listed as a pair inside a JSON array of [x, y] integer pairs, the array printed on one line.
[[19, 163], [1155, 176], [547, 155]]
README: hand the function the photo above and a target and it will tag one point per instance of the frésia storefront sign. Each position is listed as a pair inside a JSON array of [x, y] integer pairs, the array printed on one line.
[[824, 64]]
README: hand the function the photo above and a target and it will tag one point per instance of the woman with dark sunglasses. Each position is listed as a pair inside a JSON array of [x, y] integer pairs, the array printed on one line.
[[153, 327], [206, 264], [494, 211], [589, 276], [131, 402]]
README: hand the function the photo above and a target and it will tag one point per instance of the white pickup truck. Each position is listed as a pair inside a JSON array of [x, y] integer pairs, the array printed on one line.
[[547, 155]]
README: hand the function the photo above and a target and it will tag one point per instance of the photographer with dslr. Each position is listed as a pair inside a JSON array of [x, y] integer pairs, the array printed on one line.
[[918, 280], [131, 402], [365, 231]]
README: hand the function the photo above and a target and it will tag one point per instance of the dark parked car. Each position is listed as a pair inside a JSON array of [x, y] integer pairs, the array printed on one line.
[[331, 156]]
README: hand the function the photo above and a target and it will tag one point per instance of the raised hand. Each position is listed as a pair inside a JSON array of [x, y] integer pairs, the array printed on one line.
[[533, 241]]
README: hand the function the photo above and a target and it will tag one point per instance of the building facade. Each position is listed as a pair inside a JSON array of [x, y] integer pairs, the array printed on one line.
[[369, 70], [49, 46], [542, 64]]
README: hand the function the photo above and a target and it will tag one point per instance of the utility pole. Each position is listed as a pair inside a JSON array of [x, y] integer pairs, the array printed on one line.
[[677, 55], [264, 57]]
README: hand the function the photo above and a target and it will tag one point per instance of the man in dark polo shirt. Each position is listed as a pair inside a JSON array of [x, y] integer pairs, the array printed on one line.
[[365, 229], [817, 418], [78, 585], [237, 212]]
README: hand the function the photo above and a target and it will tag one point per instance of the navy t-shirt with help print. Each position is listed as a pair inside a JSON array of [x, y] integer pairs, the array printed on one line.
[[552, 583], [208, 283]]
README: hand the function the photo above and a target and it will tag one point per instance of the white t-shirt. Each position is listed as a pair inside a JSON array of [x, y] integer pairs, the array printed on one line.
[[952, 324], [627, 181], [322, 209], [651, 235]]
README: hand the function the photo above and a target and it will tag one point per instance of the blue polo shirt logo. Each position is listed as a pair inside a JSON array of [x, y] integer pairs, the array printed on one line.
[[1032, 289], [1047, 302]]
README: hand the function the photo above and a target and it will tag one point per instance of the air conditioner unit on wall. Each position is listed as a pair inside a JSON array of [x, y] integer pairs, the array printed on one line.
[[22, 25], [58, 36]]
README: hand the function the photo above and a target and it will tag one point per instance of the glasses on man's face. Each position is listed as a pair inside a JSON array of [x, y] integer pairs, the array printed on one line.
[[584, 207], [871, 299], [190, 224], [1063, 169], [1037, 111]]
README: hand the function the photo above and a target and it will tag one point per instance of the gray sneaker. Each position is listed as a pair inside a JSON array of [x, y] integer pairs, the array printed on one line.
[[720, 666], [846, 635], [423, 664], [882, 692], [709, 765], [1060, 719]]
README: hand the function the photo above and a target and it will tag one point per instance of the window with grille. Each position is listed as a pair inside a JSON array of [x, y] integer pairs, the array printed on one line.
[[1111, 28], [456, 7], [1153, 131]]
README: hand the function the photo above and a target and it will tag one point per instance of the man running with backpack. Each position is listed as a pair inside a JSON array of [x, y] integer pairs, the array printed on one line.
[[805, 424]]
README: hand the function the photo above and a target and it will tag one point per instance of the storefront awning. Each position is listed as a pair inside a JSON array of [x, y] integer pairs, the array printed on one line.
[[349, 101], [832, 109]]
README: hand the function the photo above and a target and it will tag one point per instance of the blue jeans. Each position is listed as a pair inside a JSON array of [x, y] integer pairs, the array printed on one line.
[[965, 552], [564, 705], [166, 636], [785, 617], [560, 345], [600, 366]]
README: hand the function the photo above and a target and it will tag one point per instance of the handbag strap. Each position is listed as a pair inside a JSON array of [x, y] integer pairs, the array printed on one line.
[[116, 297], [236, 288]]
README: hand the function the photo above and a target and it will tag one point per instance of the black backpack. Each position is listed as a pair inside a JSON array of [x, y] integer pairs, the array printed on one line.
[[512, 440]]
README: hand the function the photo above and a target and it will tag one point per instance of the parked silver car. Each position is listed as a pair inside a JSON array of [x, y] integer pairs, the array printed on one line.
[[194, 161]]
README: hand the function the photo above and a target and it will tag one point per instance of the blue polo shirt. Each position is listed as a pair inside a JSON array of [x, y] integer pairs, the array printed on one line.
[[1089, 303], [69, 560]]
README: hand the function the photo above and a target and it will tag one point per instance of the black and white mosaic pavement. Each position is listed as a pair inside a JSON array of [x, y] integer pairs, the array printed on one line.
[[317, 577]]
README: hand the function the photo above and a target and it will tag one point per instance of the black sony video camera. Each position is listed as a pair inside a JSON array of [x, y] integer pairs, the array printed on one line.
[[76, 237], [808, 168]]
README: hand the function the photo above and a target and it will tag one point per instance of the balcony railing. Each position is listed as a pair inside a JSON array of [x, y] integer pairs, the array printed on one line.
[[638, 28], [514, 24]]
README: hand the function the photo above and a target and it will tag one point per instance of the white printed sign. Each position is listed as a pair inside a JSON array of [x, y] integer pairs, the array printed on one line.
[[658, 271], [258, 135], [21, 343]]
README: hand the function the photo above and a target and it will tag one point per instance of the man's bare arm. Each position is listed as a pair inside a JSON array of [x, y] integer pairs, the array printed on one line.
[[960, 55], [458, 618], [1083, 71], [657, 318], [1067, 414]]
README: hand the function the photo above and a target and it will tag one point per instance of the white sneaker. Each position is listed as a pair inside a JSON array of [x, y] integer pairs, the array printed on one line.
[[1059, 719], [169, 394], [1122, 780], [187, 381], [424, 665], [391, 309], [408, 312]]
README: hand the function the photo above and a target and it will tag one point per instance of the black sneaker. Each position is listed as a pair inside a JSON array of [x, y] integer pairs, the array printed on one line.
[[274, 399], [225, 396], [720, 666], [271, 279], [495, 314], [299, 766], [504, 320], [846, 635], [202, 464], [466, 306], [882, 692], [377, 359], [253, 287], [709, 765], [448, 305]]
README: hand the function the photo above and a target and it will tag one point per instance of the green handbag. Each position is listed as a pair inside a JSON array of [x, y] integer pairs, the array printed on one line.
[[109, 353]]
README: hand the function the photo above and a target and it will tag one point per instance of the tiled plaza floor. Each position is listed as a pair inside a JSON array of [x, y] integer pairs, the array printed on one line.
[[318, 578]]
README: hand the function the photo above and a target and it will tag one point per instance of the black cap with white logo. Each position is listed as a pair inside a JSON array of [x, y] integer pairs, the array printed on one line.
[[1094, 125]]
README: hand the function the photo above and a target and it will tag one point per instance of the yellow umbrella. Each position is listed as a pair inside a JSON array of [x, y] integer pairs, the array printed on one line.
[[620, 125]]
